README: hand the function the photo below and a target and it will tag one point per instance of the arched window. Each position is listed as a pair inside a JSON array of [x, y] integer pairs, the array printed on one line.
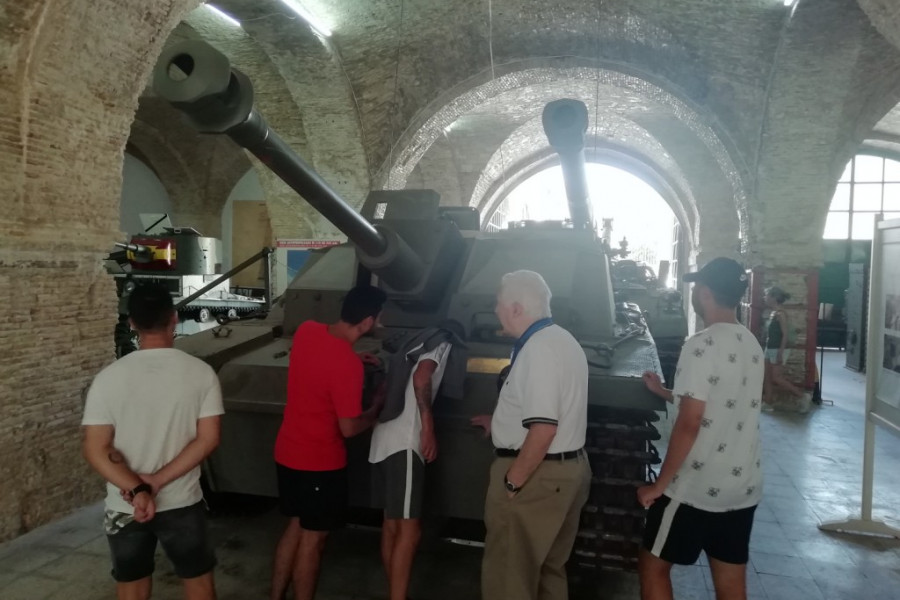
[[869, 186]]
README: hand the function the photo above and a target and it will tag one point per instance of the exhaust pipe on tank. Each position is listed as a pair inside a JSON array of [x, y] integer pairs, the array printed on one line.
[[198, 80], [565, 124]]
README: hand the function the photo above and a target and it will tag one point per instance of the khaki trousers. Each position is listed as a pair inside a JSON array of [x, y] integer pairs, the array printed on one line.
[[530, 536]]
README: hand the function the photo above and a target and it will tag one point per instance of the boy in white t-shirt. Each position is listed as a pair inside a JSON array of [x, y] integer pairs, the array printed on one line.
[[149, 421], [400, 448], [711, 480]]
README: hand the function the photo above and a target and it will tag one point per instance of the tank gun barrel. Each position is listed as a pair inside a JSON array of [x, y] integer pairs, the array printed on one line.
[[199, 81], [139, 250], [565, 123], [136, 248]]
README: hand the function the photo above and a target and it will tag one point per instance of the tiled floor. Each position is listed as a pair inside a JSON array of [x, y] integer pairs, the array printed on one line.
[[813, 469]]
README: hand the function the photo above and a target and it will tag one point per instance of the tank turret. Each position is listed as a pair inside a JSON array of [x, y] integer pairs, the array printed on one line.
[[637, 290], [199, 81]]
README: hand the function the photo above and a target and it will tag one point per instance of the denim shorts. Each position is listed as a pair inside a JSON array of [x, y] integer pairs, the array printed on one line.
[[183, 534]]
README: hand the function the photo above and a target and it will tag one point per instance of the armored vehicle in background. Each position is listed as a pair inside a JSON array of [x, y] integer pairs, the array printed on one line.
[[636, 288], [185, 263], [434, 263]]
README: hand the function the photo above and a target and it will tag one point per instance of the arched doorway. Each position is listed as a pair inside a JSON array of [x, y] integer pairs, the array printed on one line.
[[635, 211]]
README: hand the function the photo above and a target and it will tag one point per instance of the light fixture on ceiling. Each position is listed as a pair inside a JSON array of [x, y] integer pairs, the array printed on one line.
[[307, 16], [789, 2], [224, 16]]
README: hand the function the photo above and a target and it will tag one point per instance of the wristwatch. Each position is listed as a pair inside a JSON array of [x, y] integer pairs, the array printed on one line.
[[510, 486], [141, 487]]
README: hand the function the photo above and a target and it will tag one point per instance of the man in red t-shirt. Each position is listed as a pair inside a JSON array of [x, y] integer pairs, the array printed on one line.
[[324, 406]]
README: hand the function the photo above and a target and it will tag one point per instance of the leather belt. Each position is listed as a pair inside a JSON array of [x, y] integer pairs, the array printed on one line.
[[508, 453]]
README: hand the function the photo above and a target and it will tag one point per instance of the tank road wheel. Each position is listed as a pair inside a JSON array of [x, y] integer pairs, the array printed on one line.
[[203, 315], [232, 313]]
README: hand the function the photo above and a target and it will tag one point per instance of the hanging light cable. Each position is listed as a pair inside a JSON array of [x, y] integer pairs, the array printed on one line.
[[493, 78], [596, 129], [394, 107]]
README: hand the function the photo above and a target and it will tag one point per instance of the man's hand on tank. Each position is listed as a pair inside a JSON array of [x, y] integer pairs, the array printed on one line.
[[648, 494], [379, 397], [483, 421], [653, 382], [429, 445], [369, 359]]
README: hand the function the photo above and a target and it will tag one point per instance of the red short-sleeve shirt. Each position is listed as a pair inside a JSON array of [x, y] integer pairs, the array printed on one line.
[[325, 382]]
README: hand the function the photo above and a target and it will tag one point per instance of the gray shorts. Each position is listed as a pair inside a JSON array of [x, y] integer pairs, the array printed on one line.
[[399, 484]]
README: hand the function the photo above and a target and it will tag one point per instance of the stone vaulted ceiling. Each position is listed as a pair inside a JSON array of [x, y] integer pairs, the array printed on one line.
[[728, 104]]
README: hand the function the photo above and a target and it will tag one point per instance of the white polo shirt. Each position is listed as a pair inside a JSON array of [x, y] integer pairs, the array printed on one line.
[[547, 384]]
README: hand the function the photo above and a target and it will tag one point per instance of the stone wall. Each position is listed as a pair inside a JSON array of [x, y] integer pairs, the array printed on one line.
[[66, 103]]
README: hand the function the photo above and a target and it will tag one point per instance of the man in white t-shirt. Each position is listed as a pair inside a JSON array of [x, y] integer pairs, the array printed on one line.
[[400, 448], [149, 421], [540, 479], [711, 480]]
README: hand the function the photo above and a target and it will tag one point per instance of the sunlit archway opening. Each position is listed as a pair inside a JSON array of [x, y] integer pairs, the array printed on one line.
[[638, 212]]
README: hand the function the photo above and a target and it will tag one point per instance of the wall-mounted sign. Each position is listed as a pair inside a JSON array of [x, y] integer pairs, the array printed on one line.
[[291, 255]]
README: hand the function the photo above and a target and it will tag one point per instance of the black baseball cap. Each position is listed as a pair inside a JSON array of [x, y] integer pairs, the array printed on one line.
[[723, 276]]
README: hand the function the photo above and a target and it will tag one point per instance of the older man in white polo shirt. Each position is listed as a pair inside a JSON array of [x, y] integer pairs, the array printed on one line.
[[540, 479]]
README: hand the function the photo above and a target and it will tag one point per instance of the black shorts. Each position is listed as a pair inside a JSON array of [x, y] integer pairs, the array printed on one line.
[[399, 483], [677, 533], [183, 534], [317, 498]]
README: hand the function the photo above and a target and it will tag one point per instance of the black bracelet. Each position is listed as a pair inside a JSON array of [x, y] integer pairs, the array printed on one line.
[[141, 487]]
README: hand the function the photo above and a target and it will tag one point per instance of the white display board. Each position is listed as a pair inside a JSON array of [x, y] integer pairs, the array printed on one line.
[[882, 368], [887, 392], [290, 256]]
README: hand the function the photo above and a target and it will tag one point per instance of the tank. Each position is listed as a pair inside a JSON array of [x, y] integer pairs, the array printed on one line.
[[434, 263], [637, 288], [184, 262], [187, 264]]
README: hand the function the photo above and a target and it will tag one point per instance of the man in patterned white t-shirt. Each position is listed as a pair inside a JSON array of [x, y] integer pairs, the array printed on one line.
[[711, 480]]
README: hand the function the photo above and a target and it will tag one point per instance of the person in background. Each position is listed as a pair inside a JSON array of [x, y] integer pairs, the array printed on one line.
[[778, 335], [324, 406], [150, 419]]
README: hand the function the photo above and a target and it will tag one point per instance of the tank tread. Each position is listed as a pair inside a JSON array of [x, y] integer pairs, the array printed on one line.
[[621, 453], [646, 457], [645, 432]]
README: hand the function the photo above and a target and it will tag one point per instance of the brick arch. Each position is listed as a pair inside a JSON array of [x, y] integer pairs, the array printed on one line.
[[198, 171], [711, 150], [65, 110], [885, 16]]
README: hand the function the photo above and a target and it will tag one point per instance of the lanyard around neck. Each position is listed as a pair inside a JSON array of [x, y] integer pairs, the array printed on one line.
[[532, 329]]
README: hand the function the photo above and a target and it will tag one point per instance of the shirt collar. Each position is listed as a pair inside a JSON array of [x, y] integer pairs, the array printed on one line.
[[532, 329]]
